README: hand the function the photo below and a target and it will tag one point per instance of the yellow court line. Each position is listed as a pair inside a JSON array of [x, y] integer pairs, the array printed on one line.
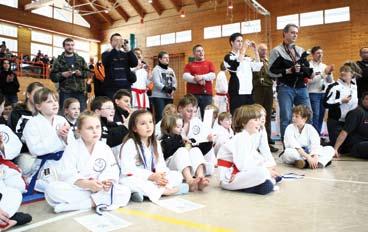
[[175, 221]]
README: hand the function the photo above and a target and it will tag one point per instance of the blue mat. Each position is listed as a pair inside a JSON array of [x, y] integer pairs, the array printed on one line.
[[32, 198]]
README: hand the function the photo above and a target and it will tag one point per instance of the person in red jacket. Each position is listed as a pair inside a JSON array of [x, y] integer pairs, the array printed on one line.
[[199, 75]]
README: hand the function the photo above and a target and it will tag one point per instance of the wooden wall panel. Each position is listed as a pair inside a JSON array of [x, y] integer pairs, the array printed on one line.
[[24, 40]]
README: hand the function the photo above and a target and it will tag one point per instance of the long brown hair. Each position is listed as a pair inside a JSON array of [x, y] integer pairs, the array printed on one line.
[[135, 136]]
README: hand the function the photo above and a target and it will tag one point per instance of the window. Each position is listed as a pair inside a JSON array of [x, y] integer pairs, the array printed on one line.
[[229, 29], [341, 14], [167, 38], [249, 27], [311, 18], [81, 45], [104, 47], [57, 51], [44, 11], [85, 55], [79, 20], [183, 36], [212, 32], [63, 15], [8, 30], [12, 44], [282, 21], [11, 3], [153, 41], [58, 40], [42, 37], [45, 49]]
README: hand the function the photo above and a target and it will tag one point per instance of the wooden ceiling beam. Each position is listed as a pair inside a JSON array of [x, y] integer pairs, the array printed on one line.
[[157, 6], [92, 19], [198, 3], [121, 11], [176, 4], [105, 16], [138, 8]]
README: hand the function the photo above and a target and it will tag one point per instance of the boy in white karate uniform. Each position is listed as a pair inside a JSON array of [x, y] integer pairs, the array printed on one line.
[[223, 130], [302, 143], [221, 99], [90, 173]]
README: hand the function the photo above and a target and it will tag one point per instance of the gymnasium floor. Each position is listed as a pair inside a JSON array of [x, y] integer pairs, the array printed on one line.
[[329, 200]]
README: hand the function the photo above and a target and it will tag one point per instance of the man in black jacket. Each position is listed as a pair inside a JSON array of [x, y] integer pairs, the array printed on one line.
[[362, 82], [117, 62], [288, 65]]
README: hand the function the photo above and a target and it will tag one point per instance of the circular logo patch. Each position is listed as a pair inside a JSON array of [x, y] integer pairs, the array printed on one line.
[[196, 130], [99, 165], [5, 136]]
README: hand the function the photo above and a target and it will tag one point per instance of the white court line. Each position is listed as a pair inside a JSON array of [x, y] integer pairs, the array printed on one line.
[[336, 180], [41, 223]]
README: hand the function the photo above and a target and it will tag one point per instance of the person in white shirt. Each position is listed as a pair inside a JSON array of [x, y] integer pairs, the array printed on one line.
[[302, 143], [90, 173], [222, 131], [321, 78], [220, 99]]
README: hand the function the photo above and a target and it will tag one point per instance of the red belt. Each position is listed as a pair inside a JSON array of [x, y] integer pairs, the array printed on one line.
[[228, 164], [10, 164], [137, 93], [221, 94]]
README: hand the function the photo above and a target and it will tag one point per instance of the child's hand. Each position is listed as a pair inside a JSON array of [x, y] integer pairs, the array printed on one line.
[[337, 154], [1, 142], [273, 172], [107, 185], [63, 131], [95, 185], [211, 137], [159, 178], [313, 161], [232, 178], [4, 218]]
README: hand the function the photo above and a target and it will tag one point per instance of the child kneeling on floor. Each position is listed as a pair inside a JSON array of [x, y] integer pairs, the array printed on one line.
[[302, 143], [240, 165], [90, 173]]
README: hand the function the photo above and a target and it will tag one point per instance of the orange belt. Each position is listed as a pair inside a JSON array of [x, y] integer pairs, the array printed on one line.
[[137, 93], [228, 164]]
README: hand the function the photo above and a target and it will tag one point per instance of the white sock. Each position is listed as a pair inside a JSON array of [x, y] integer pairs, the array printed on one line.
[[62, 207]]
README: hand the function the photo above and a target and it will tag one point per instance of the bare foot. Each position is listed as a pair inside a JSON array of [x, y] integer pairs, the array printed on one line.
[[203, 183], [11, 224], [170, 191], [193, 184]]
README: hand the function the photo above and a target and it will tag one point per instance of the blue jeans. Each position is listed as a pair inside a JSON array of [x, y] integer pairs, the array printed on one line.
[[316, 100], [80, 96], [289, 97], [203, 101], [159, 105]]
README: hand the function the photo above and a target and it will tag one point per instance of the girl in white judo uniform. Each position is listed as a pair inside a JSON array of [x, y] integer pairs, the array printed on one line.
[[90, 173], [139, 88], [71, 108], [143, 166], [222, 130], [302, 143], [180, 155], [221, 100], [46, 135], [11, 183], [241, 166], [194, 130]]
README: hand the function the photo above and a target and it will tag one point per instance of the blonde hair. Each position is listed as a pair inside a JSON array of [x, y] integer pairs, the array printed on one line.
[[83, 116], [222, 116], [242, 115], [168, 109], [43, 94], [260, 108], [168, 123]]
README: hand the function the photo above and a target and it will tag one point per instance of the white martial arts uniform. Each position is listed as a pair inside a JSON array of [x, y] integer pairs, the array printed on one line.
[[78, 164], [11, 198], [158, 130], [222, 136], [196, 131], [308, 139], [136, 170], [220, 99], [240, 157], [139, 90], [41, 138], [264, 148], [10, 176]]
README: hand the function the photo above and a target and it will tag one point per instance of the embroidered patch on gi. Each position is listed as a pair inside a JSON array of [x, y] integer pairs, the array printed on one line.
[[5, 136], [196, 130], [99, 165]]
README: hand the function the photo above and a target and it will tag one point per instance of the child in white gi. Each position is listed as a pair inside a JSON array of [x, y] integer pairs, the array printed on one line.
[[46, 135], [241, 166], [169, 109], [194, 130], [90, 173], [180, 155], [221, 100], [143, 166], [302, 143], [223, 130], [71, 109]]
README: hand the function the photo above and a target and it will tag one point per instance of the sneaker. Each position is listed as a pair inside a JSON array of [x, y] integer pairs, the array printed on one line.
[[273, 149], [300, 164]]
